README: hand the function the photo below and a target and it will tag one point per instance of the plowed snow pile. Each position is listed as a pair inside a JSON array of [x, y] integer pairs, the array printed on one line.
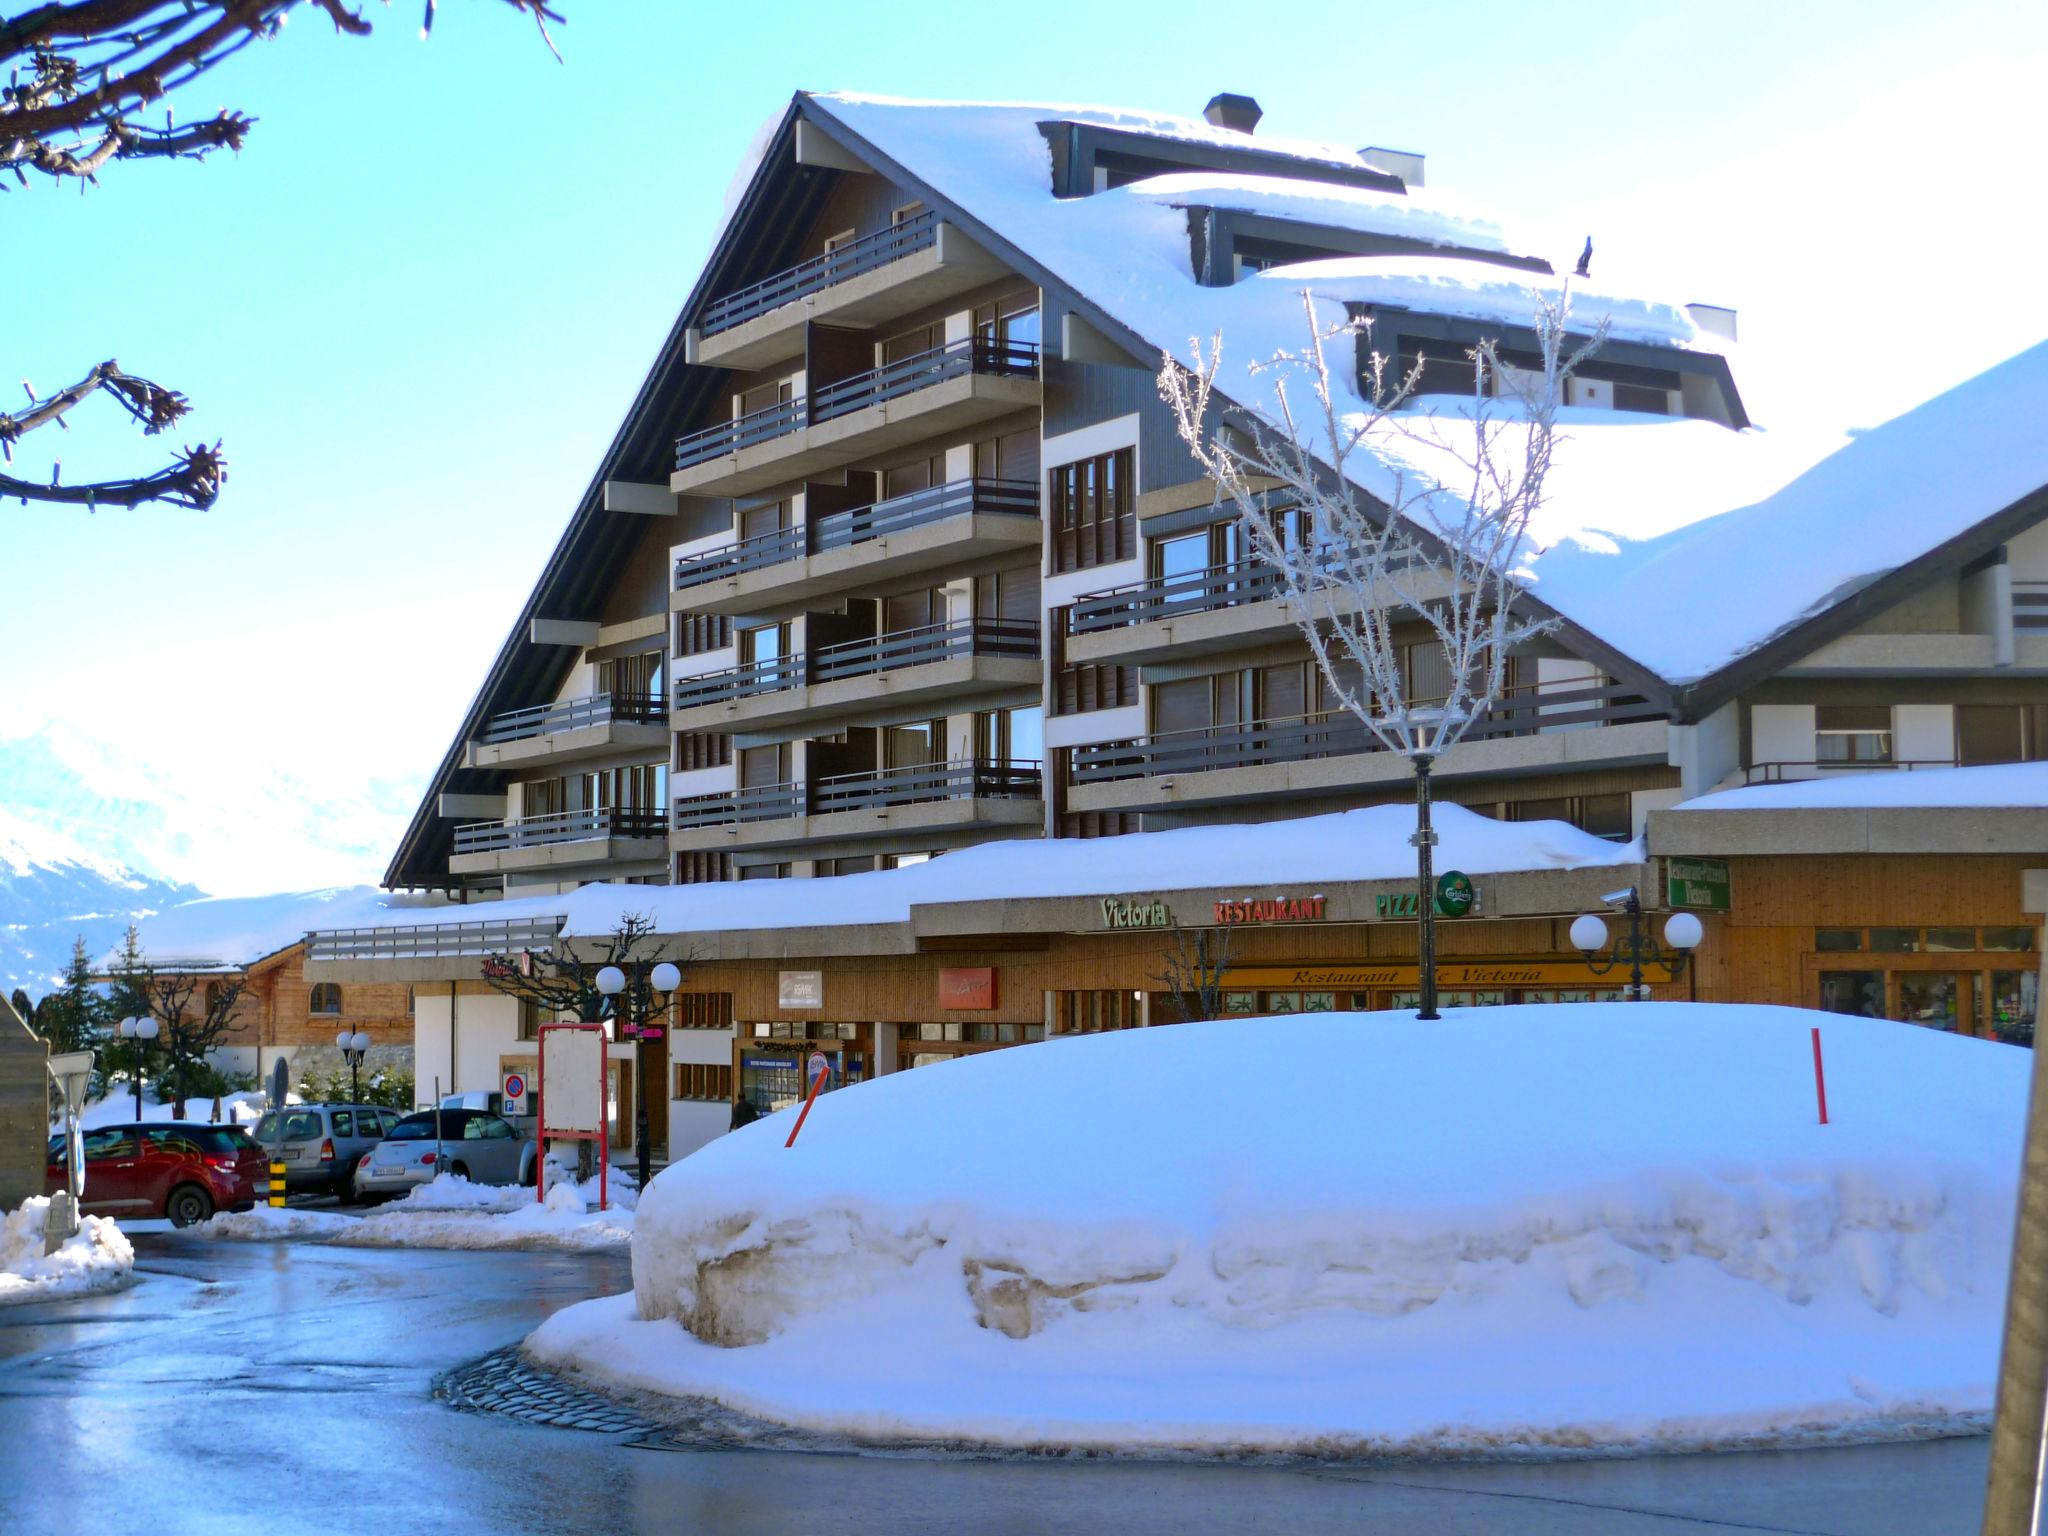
[[1571, 1227]]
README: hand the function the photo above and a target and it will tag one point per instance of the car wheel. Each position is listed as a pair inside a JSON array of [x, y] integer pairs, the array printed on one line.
[[529, 1173], [345, 1189], [188, 1205]]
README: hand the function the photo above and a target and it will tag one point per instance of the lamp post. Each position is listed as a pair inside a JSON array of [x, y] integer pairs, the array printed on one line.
[[141, 1030], [1682, 934], [612, 981], [354, 1047]]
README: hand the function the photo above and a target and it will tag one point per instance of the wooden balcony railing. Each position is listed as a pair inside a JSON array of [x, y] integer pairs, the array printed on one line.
[[821, 272], [1338, 733], [856, 658], [839, 530], [877, 789], [970, 355], [572, 715], [560, 827]]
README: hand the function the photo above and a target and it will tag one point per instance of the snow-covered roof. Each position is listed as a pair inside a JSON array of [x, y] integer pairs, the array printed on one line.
[[230, 932], [1650, 540], [1410, 216], [2002, 786]]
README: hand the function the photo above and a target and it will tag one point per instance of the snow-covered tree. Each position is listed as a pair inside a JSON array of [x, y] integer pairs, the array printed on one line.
[[1433, 553]]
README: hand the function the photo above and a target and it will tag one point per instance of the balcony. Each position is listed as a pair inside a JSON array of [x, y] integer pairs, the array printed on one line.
[[562, 840], [619, 727], [946, 388], [1545, 729], [925, 800], [895, 675], [1193, 613], [935, 529], [875, 278]]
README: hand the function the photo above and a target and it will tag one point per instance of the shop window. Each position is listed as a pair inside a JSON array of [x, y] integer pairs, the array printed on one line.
[[1090, 1012], [1895, 941], [1934, 999], [326, 997], [704, 1081], [1950, 941], [2015, 1001], [1852, 733], [1838, 941], [1857, 992], [2007, 940]]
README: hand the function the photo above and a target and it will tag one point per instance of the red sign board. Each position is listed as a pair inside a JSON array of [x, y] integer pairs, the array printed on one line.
[[967, 986]]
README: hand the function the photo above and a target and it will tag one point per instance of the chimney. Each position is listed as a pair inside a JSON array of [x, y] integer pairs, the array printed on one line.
[[1239, 113], [1395, 162], [1714, 319]]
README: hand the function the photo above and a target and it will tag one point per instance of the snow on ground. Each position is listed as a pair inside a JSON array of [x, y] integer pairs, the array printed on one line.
[[1552, 1229], [97, 1257], [449, 1212], [1995, 787]]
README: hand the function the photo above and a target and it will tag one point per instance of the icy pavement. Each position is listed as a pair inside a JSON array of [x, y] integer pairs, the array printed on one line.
[[312, 1368]]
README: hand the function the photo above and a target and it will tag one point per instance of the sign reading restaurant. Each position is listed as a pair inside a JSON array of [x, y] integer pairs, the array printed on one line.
[[1276, 909]]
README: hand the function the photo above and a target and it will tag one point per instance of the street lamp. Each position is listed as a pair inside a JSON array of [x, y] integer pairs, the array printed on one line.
[[1682, 934], [354, 1047], [141, 1031], [664, 978]]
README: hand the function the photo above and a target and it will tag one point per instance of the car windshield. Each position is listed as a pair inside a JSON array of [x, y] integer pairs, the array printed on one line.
[[421, 1127]]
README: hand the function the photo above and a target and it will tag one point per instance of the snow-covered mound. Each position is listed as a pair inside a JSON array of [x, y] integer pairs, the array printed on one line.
[[1569, 1226], [97, 1257]]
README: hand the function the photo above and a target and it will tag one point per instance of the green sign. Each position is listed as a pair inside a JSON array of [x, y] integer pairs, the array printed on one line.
[[1395, 904], [1699, 883], [1454, 894]]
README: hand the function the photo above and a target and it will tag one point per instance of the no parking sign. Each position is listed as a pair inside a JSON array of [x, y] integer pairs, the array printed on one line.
[[515, 1093]]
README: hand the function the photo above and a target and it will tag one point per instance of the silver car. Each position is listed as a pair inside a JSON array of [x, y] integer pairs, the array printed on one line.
[[322, 1143], [481, 1147]]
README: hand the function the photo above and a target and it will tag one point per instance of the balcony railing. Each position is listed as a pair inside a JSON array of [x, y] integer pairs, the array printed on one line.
[[572, 715], [821, 272], [1163, 597], [1339, 733], [839, 530], [1788, 770], [560, 827], [858, 658], [428, 941], [877, 789], [2030, 605], [973, 354]]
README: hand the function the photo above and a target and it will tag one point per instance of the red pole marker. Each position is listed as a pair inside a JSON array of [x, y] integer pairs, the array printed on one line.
[[1820, 1081], [820, 1070]]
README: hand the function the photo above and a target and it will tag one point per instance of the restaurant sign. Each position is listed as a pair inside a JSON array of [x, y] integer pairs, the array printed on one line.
[[1450, 975], [1274, 909], [1136, 912], [1701, 883], [963, 987]]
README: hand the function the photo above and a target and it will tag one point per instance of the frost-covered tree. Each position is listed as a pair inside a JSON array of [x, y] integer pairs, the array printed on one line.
[[1434, 554]]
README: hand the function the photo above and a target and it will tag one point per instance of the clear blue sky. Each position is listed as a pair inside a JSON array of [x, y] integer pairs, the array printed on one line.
[[417, 304]]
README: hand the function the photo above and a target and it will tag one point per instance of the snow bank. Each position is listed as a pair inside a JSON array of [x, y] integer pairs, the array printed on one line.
[[449, 1212], [1566, 1227], [97, 1257], [1999, 786]]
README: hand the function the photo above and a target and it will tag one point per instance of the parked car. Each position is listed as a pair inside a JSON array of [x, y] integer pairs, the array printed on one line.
[[184, 1170], [322, 1143], [481, 1147]]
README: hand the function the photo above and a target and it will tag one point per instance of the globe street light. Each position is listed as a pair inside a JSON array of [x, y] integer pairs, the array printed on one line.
[[141, 1030], [663, 977], [1682, 934], [354, 1047]]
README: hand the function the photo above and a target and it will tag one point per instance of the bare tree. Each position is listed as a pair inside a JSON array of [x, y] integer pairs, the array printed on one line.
[[559, 981], [1196, 960], [1434, 553], [196, 1013], [80, 75]]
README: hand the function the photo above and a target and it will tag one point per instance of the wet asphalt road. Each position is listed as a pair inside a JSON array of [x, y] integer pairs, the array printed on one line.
[[286, 1389]]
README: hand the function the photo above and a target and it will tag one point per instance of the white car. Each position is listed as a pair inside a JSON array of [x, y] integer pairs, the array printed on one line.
[[481, 1147]]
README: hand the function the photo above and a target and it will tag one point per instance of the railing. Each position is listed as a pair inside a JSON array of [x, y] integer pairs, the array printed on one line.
[[571, 715], [1775, 772], [560, 827], [1140, 602], [839, 530], [427, 941], [1339, 733], [920, 783], [860, 658], [973, 354], [2030, 605], [821, 272]]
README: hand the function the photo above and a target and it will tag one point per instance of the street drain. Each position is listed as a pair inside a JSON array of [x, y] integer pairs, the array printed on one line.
[[505, 1383]]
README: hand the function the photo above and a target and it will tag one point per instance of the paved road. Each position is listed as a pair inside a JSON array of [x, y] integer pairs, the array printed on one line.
[[286, 1389]]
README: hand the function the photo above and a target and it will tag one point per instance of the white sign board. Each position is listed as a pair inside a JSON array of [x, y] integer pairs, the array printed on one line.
[[800, 989], [571, 1080]]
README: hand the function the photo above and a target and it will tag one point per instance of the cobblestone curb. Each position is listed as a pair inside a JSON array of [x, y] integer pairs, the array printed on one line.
[[503, 1382]]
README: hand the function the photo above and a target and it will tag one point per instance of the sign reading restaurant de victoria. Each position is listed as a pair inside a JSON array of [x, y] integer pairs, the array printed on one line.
[[1151, 912]]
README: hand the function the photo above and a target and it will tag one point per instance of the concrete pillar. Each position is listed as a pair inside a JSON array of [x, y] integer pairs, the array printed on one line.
[[884, 1061]]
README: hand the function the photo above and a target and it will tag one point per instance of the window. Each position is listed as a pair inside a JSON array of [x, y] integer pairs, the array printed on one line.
[[2001, 733], [2007, 940], [1092, 518], [1895, 941], [763, 643], [921, 745], [1837, 940], [834, 241], [764, 518], [851, 864], [326, 997], [1011, 320], [704, 1081], [1951, 940], [1098, 823], [761, 767], [1608, 816], [345, 1122], [1009, 736], [906, 860], [701, 1010], [1089, 1012], [531, 1017], [2014, 1003], [915, 342], [303, 1125], [762, 397], [637, 677], [701, 868], [1010, 595], [113, 1143], [1642, 397], [702, 749], [765, 871], [906, 212], [1852, 733], [1013, 456], [213, 992], [1080, 690], [1857, 992], [700, 632]]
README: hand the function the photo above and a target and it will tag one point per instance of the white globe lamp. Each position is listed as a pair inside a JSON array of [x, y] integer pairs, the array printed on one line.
[[1589, 933]]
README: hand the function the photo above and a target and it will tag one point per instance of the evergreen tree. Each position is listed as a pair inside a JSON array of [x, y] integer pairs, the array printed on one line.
[[78, 1016]]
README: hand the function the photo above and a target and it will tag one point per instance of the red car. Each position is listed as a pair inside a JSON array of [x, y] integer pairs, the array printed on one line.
[[181, 1170]]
